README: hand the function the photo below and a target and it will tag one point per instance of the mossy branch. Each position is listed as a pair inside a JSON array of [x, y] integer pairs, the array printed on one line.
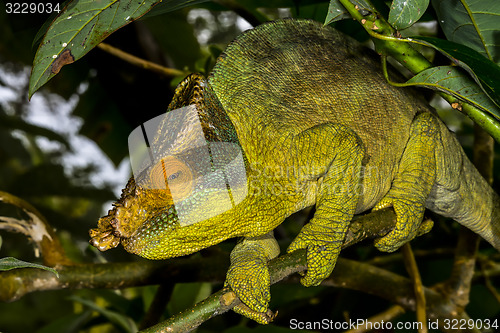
[[16, 283], [347, 274]]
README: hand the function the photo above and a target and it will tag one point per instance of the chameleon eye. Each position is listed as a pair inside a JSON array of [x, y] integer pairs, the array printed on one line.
[[176, 174]]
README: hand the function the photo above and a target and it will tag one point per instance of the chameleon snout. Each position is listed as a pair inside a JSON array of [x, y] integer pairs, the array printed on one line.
[[105, 236], [108, 233], [121, 222]]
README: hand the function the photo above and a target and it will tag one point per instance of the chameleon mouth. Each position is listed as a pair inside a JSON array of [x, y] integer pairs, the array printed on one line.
[[105, 236], [116, 225]]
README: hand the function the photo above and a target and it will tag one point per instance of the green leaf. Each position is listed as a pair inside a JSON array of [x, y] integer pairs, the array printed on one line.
[[453, 80], [43, 29], [484, 71], [9, 263], [404, 13], [337, 12], [472, 23], [116, 318], [79, 28], [161, 28]]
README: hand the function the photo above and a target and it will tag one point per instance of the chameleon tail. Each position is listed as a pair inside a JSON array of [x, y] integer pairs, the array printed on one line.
[[461, 193]]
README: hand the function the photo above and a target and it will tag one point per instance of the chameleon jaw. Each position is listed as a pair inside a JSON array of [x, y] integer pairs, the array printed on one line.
[[116, 225], [105, 236]]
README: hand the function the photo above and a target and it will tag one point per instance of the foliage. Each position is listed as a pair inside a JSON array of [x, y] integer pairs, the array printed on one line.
[[13, 263], [109, 97]]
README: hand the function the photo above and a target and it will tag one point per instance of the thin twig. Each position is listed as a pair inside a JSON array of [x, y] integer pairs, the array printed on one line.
[[397, 257], [487, 281], [412, 269], [388, 315], [136, 61]]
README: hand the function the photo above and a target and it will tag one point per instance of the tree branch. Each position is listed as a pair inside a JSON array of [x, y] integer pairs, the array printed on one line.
[[347, 274], [16, 283]]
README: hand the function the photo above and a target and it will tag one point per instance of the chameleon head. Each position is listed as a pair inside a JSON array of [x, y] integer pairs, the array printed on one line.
[[189, 173]]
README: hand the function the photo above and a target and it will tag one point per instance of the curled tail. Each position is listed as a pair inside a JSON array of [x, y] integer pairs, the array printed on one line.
[[461, 193]]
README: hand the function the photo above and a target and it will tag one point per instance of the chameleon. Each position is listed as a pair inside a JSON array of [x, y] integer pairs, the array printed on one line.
[[317, 125]]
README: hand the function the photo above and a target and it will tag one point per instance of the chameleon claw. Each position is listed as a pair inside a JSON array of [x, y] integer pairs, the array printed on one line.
[[261, 317]]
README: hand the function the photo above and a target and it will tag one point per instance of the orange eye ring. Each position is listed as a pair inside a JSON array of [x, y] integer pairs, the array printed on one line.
[[172, 173]]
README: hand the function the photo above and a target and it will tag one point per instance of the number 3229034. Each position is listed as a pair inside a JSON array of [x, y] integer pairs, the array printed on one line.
[[452, 324], [31, 8]]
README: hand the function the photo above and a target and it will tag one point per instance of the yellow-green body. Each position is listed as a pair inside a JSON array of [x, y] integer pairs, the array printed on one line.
[[318, 125]]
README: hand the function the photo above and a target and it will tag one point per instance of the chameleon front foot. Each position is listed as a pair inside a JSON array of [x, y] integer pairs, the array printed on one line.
[[248, 276], [323, 246], [260, 317], [250, 281]]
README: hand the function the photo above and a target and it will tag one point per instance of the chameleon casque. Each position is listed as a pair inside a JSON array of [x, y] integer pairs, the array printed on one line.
[[318, 125]]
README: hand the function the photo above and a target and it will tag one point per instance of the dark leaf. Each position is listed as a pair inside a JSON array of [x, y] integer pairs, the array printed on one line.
[[484, 71], [79, 28], [472, 23], [453, 80]]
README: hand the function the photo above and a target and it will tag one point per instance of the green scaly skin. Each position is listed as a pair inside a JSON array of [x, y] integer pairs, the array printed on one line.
[[318, 125]]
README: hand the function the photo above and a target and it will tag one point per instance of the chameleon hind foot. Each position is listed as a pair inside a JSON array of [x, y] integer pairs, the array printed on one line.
[[409, 224], [412, 184]]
